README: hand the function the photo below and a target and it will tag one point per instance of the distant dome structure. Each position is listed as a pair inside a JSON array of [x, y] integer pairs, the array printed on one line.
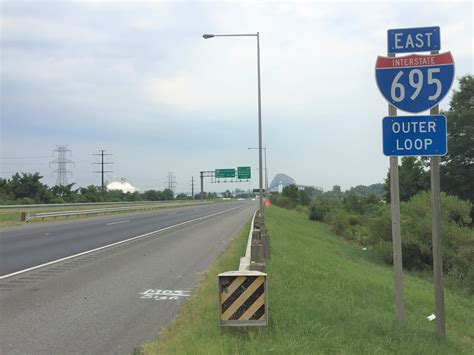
[[280, 181], [121, 184]]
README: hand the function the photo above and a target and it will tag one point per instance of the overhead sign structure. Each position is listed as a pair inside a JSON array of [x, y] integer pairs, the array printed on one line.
[[224, 173], [415, 83], [243, 172], [414, 135], [409, 40]]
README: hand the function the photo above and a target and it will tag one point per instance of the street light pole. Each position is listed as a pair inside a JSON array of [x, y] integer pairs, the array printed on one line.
[[266, 171], [260, 158]]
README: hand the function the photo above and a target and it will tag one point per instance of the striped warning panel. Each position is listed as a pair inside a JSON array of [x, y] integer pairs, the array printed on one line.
[[242, 298]]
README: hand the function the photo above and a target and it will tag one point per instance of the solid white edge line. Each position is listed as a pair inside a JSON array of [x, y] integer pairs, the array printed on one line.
[[116, 243]]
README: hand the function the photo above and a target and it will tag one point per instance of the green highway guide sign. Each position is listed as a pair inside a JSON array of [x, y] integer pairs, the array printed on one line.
[[243, 172], [224, 173]]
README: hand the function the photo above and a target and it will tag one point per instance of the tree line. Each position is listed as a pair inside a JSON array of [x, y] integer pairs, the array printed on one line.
[[27, 188]]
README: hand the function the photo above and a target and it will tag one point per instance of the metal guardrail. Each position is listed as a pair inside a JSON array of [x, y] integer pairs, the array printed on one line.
[[42, 215], [86, 204]]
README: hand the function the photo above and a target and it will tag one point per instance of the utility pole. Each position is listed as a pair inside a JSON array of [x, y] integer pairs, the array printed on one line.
[[103, 164], [192, 187], [62, 162]]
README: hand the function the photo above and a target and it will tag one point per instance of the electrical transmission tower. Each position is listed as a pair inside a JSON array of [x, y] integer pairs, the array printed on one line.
[[103, 164], [62, 162], [171, 181]]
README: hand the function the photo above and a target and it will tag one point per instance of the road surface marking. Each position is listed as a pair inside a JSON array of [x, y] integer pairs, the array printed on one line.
[[118, 243], [171, 214], [111, 223], [161, 295]]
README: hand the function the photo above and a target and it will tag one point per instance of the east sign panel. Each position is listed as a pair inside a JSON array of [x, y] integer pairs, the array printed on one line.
[[410, 40], [415, 83]]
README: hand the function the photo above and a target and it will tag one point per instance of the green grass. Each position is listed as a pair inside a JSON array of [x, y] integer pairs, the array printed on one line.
[[325, 296]]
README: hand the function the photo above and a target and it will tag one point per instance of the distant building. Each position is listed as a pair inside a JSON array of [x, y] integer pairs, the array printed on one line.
[[121, 184]]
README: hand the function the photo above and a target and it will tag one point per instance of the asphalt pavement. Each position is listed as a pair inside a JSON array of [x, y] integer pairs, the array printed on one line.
[[23, 248], [111, 300]]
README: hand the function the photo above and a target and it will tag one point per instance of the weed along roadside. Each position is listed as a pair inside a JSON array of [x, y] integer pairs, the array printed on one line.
[[325, 296]]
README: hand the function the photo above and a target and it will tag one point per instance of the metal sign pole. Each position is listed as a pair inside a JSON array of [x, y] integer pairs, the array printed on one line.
[[396, 230], [436, 239]]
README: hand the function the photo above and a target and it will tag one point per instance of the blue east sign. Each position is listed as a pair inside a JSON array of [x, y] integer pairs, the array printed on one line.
[[414, 135], [410, 40], [415, 83]]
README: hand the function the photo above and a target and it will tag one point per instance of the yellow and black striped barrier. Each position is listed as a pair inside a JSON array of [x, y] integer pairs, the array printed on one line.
[[243, 298]]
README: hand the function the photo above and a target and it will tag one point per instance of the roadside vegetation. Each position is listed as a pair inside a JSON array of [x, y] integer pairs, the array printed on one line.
[[362, 215], [325, 296]]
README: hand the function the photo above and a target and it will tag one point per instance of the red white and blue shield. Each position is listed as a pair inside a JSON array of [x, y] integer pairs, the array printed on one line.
[[415, 83]]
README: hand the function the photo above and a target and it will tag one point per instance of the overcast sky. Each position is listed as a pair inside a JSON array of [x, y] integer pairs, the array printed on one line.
[[138, 80]]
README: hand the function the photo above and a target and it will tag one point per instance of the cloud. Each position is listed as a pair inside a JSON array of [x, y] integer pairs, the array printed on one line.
[[140, 79]]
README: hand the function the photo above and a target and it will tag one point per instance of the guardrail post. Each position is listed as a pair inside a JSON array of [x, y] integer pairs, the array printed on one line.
[[256, 235], [257, 252], [265, 237]]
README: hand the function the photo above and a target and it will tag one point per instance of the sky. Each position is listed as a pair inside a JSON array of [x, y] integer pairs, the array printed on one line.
[[136, 78]]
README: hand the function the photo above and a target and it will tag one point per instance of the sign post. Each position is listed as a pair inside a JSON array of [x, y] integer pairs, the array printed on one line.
[[396, 230], [416, 83], [436, 240]]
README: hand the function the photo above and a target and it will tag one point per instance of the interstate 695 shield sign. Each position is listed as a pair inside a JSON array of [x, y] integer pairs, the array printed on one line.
[[415, 83]]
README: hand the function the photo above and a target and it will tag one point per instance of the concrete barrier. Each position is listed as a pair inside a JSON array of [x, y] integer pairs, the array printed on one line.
[[243, 299]]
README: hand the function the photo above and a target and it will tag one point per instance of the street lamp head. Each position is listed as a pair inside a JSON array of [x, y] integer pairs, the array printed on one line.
[[207, 36]]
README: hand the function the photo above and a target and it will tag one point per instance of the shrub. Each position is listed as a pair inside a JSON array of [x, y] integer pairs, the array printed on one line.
[[281, 201], [302, 209], [458, 238], [27, 201], [321, 206]]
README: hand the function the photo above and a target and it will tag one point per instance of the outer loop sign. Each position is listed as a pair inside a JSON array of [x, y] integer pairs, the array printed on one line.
[[414, 135], [415, 83]]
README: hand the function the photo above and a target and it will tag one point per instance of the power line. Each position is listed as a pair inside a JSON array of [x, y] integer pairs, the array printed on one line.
[[103, 164], [62, 162], [38, 157], [170, 181]]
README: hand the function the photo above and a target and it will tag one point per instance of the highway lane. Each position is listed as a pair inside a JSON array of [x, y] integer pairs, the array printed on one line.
[[112, 300], [38, 244]]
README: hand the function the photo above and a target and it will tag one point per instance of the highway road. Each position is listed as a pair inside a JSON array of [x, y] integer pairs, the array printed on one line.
[[115, 298]]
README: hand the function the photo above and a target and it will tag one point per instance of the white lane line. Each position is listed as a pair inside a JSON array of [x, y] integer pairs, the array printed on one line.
[[171, 214], [117, 243], [112, 223]]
